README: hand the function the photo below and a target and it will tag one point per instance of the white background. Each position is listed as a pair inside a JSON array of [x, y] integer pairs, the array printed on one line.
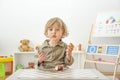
[[21, 19]]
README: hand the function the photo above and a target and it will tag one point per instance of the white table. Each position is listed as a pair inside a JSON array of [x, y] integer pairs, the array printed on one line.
[[69, 74]]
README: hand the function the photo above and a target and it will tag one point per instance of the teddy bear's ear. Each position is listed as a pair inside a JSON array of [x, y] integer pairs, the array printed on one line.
[[28, 41], [20, 41]]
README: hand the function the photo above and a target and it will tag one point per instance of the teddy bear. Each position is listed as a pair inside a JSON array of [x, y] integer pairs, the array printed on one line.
[[30, 65], [24, 47]]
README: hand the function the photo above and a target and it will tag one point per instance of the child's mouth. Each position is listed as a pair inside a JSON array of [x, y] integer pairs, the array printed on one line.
[[54, 36]]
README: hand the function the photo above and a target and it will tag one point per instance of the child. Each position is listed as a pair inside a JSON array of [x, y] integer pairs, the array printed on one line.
[[54, 53]]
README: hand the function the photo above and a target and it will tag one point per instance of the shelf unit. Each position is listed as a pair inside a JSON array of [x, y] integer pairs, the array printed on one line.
[[103, 50], [23, 58], [104, 41]]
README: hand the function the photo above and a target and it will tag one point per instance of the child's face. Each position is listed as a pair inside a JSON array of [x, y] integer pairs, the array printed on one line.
[[55, 32]]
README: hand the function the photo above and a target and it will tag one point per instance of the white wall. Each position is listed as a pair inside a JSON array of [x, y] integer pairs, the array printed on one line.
[[26, 19]]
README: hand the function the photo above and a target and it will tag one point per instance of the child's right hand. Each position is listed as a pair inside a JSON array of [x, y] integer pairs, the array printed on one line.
[[42, 57]]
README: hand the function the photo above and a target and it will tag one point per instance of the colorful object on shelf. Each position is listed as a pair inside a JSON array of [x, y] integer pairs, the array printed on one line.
[[6, 59], [5, 56], [110, 20], [92, 49], [99, 59], [2, 71], [79, 47], [113, 50], [119, 21], [1, 56], [100, 49], [24, 47], [31, 65], [19, 66]]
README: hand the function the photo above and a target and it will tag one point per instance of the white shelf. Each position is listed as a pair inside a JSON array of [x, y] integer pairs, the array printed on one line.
[[23, 58]]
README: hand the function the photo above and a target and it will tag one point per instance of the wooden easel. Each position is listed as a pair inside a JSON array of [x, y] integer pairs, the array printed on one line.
[[107, 52]]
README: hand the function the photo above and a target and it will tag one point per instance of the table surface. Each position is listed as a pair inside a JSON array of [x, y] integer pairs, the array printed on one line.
[[69, 74]]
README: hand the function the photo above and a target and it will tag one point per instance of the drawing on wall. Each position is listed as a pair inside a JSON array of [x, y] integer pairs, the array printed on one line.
[[107, 25], [113, 50]]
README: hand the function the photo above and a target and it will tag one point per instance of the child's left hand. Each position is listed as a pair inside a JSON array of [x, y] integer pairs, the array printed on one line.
[[59, 67], [69, 52]]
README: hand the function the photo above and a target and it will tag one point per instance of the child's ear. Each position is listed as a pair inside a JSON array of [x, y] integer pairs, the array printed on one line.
[[63, 35], [46, 34]]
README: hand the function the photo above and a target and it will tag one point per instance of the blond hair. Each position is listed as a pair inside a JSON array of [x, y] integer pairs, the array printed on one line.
[[61, 24]]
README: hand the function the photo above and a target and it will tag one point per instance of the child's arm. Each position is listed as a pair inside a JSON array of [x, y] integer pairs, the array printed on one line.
[[69, 59], [69, 53], [69, 50]]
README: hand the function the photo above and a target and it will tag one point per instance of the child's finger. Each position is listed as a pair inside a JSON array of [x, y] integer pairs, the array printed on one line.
[[69, 50], [40, 53]]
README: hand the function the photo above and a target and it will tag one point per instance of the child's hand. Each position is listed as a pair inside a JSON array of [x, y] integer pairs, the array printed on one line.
[[36, 48], [41, 57], [59, 67], [69, 52]]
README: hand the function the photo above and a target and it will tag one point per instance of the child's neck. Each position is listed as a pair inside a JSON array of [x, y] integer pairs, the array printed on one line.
[[53, 43]]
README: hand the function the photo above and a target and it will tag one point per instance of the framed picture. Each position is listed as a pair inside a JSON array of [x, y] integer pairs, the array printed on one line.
[[113, 50], [92, 49]]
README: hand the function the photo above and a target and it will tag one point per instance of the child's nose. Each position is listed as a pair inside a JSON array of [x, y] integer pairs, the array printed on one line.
[[54, 31]]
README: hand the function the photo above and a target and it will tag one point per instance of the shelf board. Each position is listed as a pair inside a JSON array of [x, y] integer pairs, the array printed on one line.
[[78, 51], [24, 52], [102, 62], [101, 54]]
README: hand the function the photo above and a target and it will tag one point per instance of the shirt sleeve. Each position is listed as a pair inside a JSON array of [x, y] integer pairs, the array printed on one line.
[[67, 62]]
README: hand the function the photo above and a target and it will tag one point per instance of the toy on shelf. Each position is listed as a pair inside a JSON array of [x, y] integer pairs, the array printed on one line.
[[31, 65], [19, 66], [99, 59], [79, 47], [2, 71], [24, 47], [6, 59], [1, 56]]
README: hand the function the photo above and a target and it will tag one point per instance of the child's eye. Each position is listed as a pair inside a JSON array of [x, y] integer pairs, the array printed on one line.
[[57, 29], [50, 29]]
